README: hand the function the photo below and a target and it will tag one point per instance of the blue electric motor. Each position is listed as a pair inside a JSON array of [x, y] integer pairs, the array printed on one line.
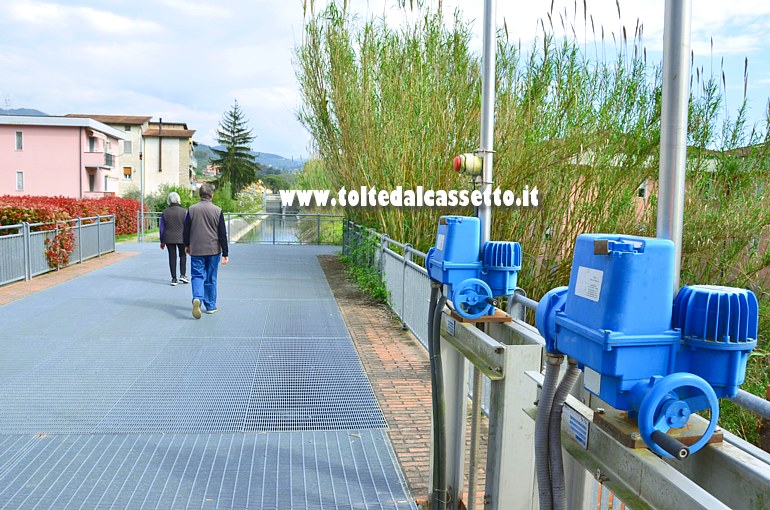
[[474, 275], [659, 362]]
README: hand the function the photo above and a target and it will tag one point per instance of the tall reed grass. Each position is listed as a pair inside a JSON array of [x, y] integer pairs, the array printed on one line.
[[389, 106]]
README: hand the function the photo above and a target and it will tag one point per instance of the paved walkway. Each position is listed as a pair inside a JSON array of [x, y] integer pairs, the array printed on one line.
[[112, 396]]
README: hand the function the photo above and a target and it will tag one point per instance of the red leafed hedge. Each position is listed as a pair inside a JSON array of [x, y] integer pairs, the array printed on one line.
[[33, 209]]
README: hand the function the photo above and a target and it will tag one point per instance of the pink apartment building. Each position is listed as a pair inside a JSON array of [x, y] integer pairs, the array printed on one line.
[[73, 157]]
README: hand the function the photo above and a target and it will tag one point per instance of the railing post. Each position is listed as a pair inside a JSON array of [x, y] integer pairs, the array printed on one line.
[[407, 258], [98, 236], [138, 227], [55, 234], [114, 230], [319, 228], [229, 232], [516, 309], [383, 245], [27, 250], [80, 240], [272, 220]]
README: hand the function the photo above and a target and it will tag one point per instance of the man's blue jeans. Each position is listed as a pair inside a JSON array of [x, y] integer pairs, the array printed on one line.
[[203, 277]]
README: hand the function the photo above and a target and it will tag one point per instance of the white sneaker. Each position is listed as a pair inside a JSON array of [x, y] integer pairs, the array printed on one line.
[[196, 311]]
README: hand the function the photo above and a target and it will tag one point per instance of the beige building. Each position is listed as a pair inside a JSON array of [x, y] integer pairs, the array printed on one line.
[[162, 150]]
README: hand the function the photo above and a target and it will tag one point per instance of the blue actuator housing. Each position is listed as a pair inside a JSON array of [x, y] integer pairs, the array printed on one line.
[[615, 316], [641, 351], [474, 273], [455, 257]]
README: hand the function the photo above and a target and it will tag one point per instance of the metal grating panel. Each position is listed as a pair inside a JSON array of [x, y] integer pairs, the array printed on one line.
[[190, 385], [311, 385], [305, 319], [71, 390], [278, 471]]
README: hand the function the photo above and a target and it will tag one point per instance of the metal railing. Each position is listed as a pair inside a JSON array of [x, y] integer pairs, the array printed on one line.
[[23, 246], [734, 473], [261, 228]]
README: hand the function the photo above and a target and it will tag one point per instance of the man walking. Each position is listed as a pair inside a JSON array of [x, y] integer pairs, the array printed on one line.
[[205, 240]]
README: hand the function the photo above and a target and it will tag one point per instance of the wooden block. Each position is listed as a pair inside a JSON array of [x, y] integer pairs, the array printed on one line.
[[499, 316], [624, 430]]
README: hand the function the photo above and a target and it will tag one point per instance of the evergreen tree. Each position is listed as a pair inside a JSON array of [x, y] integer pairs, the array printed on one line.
[[236, 166]]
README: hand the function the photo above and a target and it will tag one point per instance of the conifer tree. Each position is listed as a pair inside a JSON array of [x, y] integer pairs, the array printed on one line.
[[236, 165]]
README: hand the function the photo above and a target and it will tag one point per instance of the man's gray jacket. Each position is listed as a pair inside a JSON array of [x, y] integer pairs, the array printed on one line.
[[205, 232]]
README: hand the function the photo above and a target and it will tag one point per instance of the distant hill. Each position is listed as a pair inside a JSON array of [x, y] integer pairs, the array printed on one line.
[[204, 154], [22, 111]]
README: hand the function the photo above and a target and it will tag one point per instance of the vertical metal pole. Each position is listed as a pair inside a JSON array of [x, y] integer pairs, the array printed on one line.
[[272, 219], [27, 252], [80, 240], [319, 228], [229, 233], [140, 232], [138, 227], [486, 148], [673, 125], [474, 454], [384, 243], [98, 237], [487, 115], [455, 370], [407, 258]]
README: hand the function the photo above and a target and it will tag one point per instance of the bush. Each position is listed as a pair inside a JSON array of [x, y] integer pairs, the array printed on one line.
[[36, 209]]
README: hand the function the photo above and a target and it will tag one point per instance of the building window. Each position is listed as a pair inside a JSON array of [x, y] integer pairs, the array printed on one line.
[[91, 144], [127, 128], [19, 141], [128, 147], [108, 146], [127, 173], [19, 181], [91, 182], [106, 181]]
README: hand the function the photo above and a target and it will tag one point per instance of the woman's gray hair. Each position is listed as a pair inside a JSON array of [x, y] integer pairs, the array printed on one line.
[[173, 198]]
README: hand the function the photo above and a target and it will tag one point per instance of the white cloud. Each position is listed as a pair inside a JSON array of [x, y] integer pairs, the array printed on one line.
[[189, 8], [111, 23], [37, 13], [68, 17]]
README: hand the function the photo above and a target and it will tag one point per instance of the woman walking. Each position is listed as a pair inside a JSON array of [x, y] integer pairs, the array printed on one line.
[[171, 235]]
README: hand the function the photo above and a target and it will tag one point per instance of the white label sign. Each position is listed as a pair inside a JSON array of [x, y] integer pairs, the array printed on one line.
[[589, 283], [592, 380], [440, 242], [450, 326], [578, 426]]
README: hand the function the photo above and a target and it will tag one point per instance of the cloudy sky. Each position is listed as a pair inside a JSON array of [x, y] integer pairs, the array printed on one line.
[[187, 60]]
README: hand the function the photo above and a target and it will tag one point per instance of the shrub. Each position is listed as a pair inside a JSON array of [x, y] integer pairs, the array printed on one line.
[[37, 209], [59, 246]]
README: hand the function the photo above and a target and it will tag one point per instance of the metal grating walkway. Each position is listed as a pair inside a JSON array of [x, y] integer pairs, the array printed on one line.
[[283, 471], [119, 399]]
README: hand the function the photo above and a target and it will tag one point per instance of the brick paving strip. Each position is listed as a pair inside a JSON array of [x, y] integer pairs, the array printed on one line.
[[399, 371], [18, 290]]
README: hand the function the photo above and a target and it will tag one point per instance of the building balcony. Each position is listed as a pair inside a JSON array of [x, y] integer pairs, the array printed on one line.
[[98, 160]]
